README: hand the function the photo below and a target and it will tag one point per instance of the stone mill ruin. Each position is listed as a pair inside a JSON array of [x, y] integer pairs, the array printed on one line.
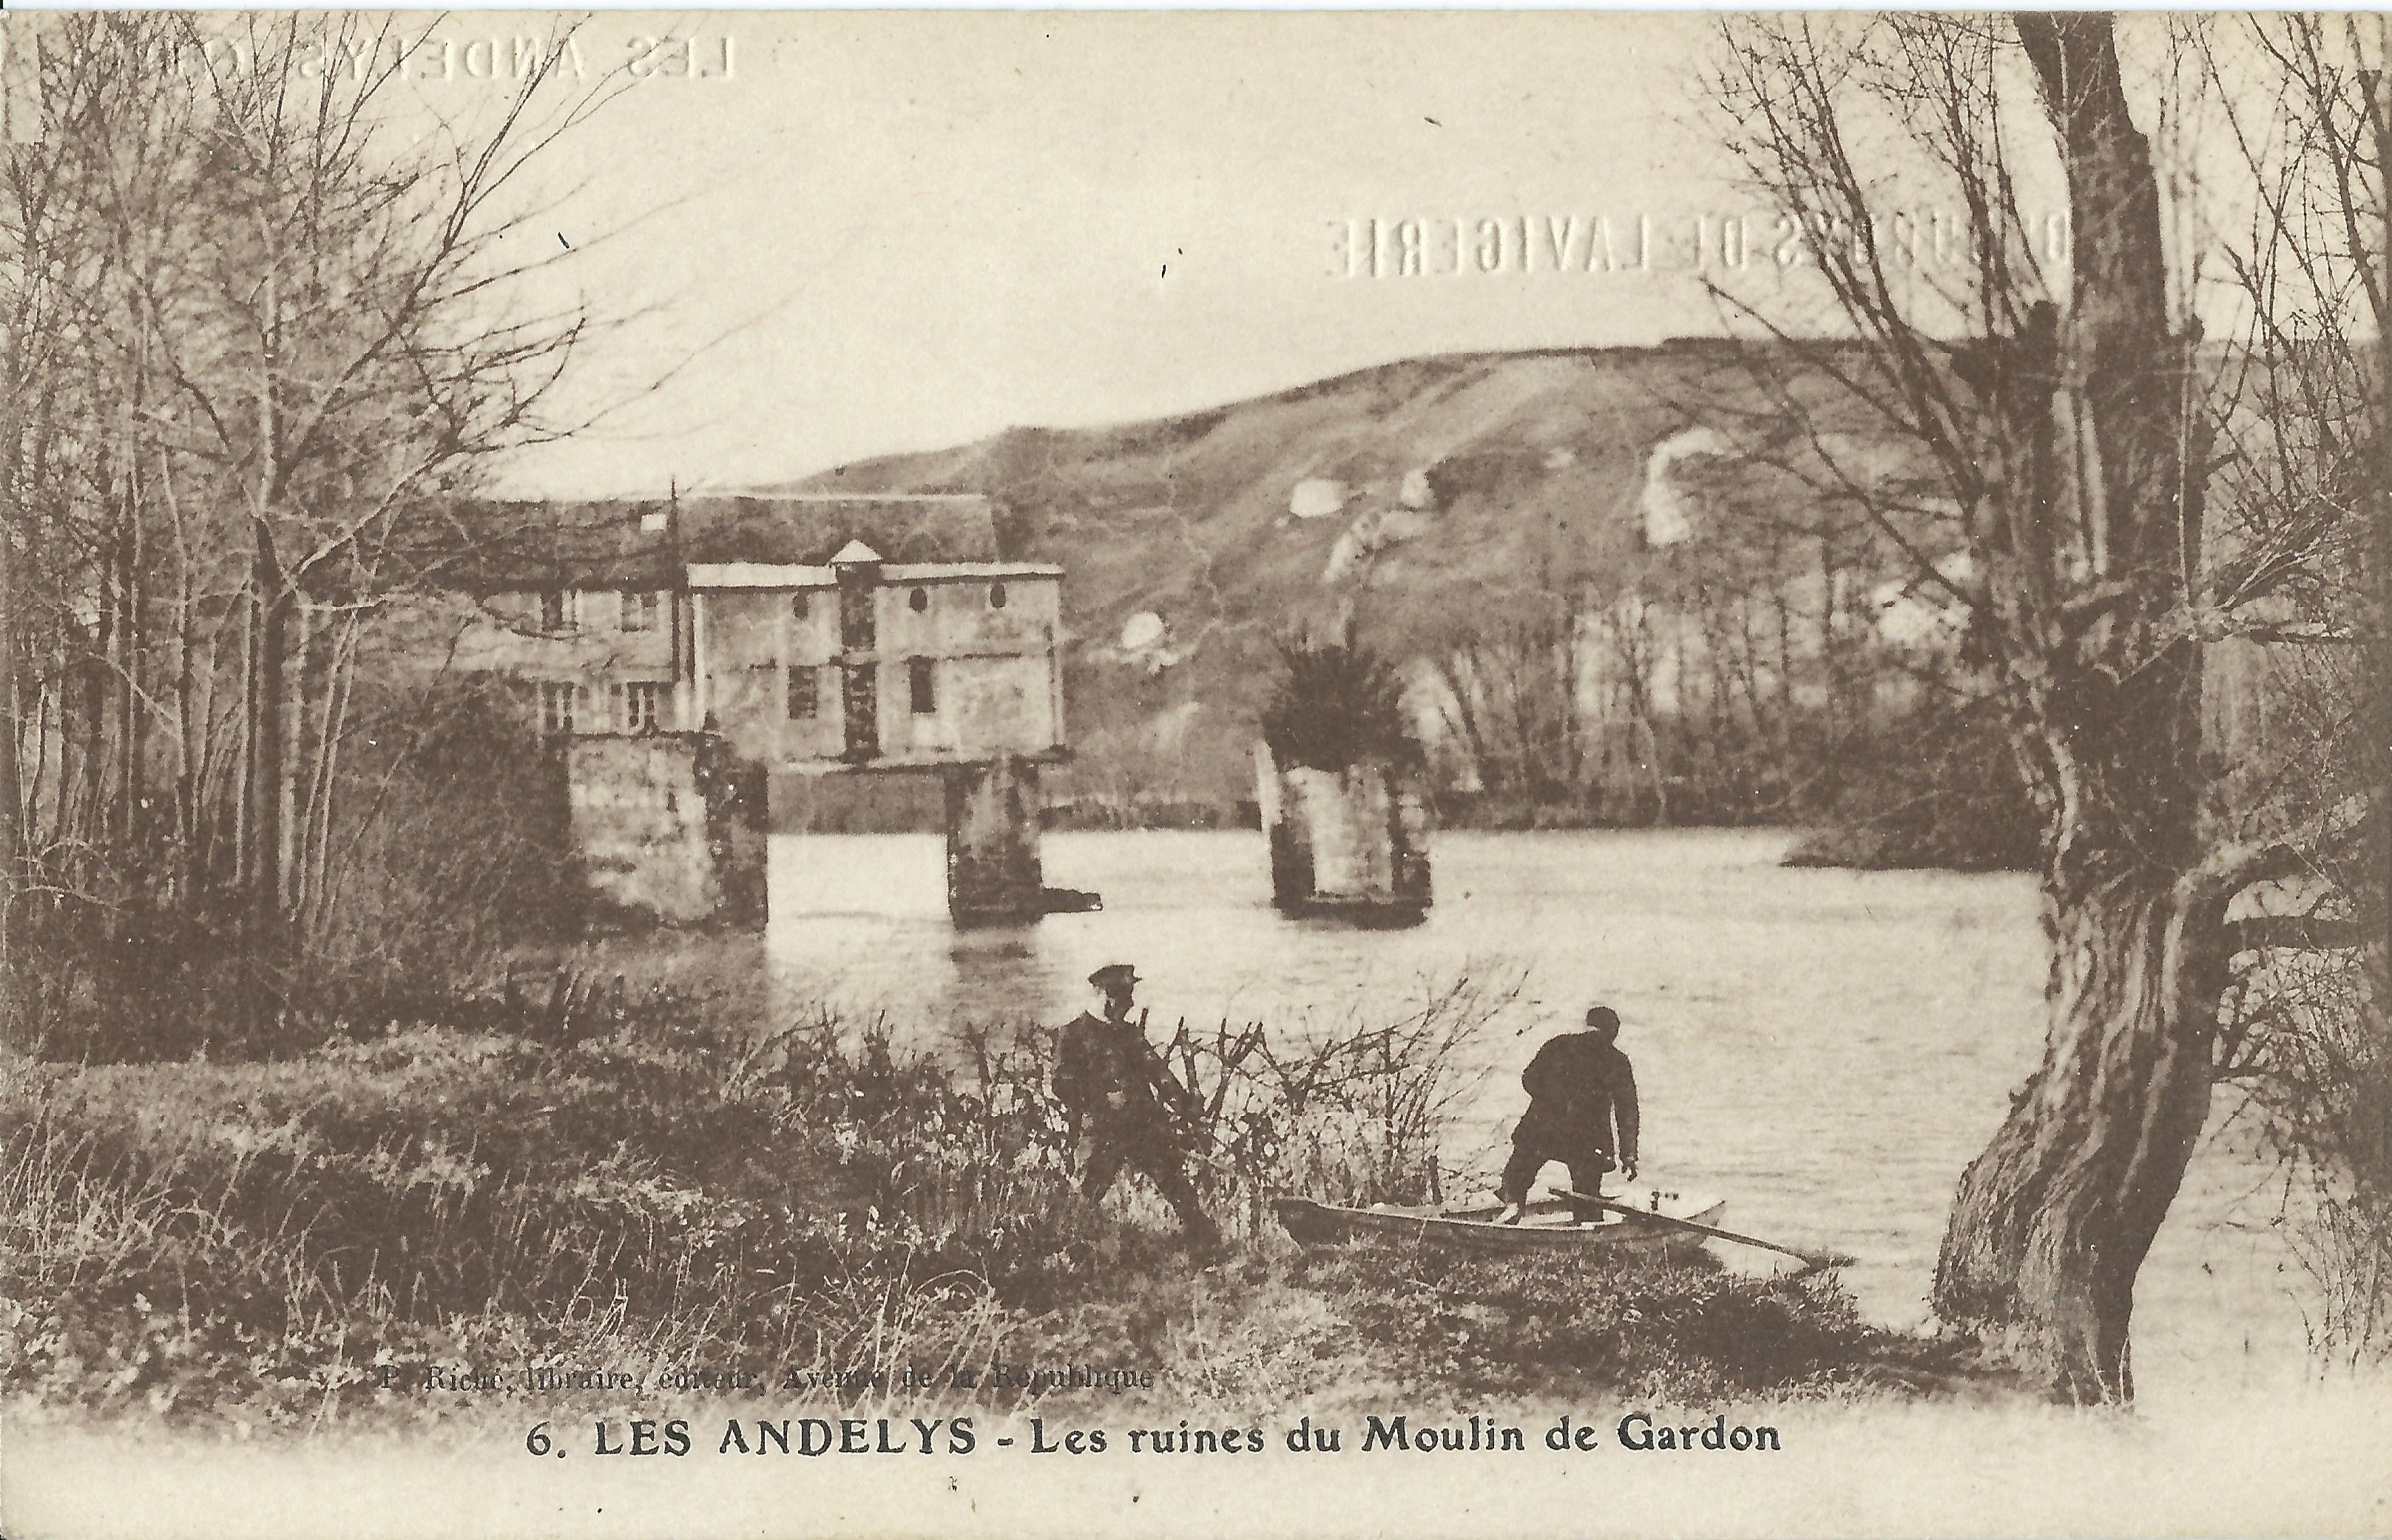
[[684, 652]]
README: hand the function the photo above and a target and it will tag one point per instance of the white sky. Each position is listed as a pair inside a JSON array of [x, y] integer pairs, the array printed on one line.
[[919, 228]]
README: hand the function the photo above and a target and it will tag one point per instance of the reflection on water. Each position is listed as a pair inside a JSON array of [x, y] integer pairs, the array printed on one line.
[[1828, 1049]]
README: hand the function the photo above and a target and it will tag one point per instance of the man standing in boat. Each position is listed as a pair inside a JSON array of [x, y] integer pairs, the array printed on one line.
[[1581, 1111], [1107, 1080]]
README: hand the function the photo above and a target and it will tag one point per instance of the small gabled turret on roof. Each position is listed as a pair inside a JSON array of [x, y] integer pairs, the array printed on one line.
[[854, 552]]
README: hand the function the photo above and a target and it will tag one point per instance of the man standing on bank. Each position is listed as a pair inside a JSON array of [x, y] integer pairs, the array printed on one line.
[[1581, 1111], [1109, 1082]]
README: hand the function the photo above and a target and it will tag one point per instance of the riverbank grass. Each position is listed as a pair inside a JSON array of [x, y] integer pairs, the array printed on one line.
[[413, 1225]]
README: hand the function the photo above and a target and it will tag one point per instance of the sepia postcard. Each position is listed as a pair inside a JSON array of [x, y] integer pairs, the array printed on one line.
[[1195, 773]]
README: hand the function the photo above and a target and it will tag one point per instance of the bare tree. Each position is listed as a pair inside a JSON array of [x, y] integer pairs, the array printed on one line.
[[2044, 380], [2307, 464], [1508, 691], [270, 318]]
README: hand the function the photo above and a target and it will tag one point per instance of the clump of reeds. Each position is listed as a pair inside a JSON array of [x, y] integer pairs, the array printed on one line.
[[1674, 1328]]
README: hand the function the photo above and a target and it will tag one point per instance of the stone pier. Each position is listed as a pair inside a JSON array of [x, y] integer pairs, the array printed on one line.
[[993, 873], [1349, 843], [668, 825], [738, 826]]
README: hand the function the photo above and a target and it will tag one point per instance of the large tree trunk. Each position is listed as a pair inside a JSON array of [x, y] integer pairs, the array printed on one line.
[[2094, 557], [2053, 1220], [12, 805]]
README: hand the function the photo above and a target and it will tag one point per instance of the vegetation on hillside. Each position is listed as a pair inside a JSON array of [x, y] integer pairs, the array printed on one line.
[[1596, 619]]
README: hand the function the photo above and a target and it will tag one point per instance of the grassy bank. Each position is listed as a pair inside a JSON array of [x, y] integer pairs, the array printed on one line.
[[295, 1242]]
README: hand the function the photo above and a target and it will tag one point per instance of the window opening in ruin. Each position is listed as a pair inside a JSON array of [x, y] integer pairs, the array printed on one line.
[[560, 707], [922, 685], [919, 599], [640, 610], [640, 707], [805, 693], [996, 595], [860, 709], [859, 622]]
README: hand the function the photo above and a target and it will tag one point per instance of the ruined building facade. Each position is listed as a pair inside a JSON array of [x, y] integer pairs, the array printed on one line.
[[684, 652]]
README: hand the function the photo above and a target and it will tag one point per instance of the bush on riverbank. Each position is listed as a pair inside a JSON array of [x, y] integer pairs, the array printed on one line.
[[1943, 793], [446, 847]]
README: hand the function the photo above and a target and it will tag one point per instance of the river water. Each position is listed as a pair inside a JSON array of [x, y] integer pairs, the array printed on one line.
[[1825, 1048]]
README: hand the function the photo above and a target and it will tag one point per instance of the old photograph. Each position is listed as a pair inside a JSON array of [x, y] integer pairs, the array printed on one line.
[[1253, 772]]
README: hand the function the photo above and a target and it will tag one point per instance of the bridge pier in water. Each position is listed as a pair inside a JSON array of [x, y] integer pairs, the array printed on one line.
[[1350, 844], [670, 827], [989, 812], [993, 873]]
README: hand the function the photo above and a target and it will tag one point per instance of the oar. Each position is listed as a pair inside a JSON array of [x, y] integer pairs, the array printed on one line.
[[1812, 1260]]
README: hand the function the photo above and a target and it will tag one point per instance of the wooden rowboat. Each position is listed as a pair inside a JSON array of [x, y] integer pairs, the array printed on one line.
[[1548, 1225]]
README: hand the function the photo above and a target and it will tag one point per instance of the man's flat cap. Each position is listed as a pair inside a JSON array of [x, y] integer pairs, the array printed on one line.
[[1112, 975]]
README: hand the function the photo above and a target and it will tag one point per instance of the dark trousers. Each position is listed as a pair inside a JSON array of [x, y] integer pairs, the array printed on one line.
[[1528, 1157], [1109, 1149]]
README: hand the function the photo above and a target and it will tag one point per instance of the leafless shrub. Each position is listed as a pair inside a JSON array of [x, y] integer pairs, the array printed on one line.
[[2311, 1053], [1356, 1113]]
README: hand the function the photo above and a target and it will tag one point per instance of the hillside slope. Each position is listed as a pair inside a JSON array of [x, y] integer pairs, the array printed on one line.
[[1423, 492]]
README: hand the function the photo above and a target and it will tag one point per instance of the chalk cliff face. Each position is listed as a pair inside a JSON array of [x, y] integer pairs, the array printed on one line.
[[1424, 495]]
